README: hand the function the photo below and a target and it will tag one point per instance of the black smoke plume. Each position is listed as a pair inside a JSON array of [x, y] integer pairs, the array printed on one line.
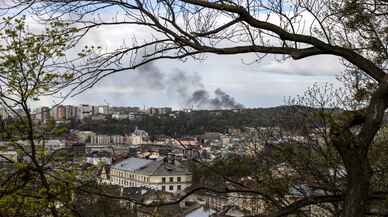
[[187, 86], [201, 99]]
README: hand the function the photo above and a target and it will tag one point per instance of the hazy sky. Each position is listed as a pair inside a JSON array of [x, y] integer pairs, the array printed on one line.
[[260, 84], [256, 85]]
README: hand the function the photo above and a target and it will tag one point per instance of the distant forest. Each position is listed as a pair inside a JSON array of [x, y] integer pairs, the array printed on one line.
[[198, 122]]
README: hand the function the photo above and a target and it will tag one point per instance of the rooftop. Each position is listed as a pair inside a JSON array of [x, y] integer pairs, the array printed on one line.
[[160, 167], [132, 164]]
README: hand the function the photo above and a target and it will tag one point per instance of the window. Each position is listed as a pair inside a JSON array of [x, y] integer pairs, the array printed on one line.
[[171, 179], [171, 187], [163, 179], [163, 188], [179, 187], [178, 179]]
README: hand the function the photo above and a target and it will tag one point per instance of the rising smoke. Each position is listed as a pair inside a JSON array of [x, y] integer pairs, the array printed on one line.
[[201, 99], [187, 86]]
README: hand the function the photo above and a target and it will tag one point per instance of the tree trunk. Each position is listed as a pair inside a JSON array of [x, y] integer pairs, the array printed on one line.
[[355, 158], [358, 183]]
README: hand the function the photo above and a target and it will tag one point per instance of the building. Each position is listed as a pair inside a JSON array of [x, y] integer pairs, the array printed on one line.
[[100, 140], [99, 157], [119, 139], [119, 116], [165, 174], [136, 116], [71, 112], [135, 140], [138, 137], [100, 148], [53, 145], [103, 109], [61, 113], [108, 140], [99, 117], [85, 136], [42, 114], [85, 111], [159, 111], [76, 149]]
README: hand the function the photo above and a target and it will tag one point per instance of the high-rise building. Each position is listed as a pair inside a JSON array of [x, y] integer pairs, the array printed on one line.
[[103, 109], [42, 114], [71, 112], [61, 113], [85, 111]]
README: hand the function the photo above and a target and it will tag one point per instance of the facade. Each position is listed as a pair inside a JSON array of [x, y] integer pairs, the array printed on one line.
[[61, 113], [85, 111], [119, 139], [42, 114], [53, 145], [108, 140], [163, 174], [135, 140], [119, 116], [97, 158], [159, 111], [136, 116], [85, 136], [99, 117], [58, 113], [251, 204], [100, 140], [103, 109], [71, 112]]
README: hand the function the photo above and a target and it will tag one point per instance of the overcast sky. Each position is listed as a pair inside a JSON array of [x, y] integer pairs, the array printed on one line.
[[255, 85], [261, 84]]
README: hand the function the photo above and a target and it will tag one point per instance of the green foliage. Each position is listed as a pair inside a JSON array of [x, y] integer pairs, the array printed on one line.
[[198, 122], [32, 65], [28, 60]]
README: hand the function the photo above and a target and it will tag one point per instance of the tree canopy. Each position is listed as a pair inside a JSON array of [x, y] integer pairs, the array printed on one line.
[[353, 30]]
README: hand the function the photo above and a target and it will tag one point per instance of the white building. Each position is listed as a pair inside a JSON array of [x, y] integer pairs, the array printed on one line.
[[53, 145], [99, 157], [103, 109], [100, 139], [164, 175], [109, 139], [135, 140], [118, 116]]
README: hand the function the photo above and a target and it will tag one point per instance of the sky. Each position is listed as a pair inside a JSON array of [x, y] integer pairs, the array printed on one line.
[[265, 83]]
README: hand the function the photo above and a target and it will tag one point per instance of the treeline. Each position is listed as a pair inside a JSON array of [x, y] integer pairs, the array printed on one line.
[[198, 122]]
